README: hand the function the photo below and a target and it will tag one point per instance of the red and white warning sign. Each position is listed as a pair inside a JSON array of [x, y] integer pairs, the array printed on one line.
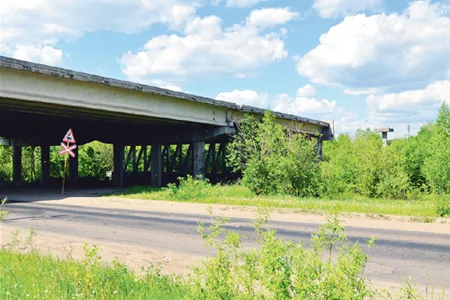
[[68, 149], [69, 138]]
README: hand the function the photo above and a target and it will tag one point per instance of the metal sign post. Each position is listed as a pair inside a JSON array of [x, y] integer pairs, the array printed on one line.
[[69, 138]]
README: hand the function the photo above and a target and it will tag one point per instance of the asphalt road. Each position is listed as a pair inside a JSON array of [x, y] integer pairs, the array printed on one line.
[[398, 253]]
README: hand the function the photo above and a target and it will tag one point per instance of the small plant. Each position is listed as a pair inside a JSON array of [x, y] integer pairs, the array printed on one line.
[[409, 291], [190, 188], [3, 213], [30, 239], [443, 206]]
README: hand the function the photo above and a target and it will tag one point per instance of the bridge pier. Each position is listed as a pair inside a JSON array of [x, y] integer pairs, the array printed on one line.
[[73, 166], [198, 169], [45, 165], [119, 154], [17, 165], [156, 165]]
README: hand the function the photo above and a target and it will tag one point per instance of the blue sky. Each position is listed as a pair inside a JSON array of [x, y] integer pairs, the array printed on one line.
[[362, 63]]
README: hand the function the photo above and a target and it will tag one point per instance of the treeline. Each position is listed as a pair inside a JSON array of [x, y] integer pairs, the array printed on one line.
[[273, 160]]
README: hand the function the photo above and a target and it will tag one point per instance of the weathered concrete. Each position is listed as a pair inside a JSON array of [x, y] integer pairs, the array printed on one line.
[[156, 164], [45, 165], [119, 153], [199, 159], [17, 164], [38, 104], [73, 166], [29, 87]]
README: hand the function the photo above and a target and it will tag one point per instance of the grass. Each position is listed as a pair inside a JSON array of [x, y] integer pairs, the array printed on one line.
[[34, 276], [240, 195]]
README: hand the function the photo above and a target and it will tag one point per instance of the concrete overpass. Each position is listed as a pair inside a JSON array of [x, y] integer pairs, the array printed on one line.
[[38, 103]]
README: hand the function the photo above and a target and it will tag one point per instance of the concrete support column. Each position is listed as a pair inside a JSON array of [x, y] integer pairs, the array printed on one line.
[[17, 164], [119, 153], [45, 164], [156, 164], [199, 159], [73, 166], [319, 148]]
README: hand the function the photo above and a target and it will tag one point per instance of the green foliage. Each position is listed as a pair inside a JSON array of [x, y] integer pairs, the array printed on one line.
[[281, 269], [436, 166], [95, 159], [443, 206], [189, 188], [3, 213], [31, 164], [274, 160], [6, 155], [236, 194], [394, 181], [34, 276]]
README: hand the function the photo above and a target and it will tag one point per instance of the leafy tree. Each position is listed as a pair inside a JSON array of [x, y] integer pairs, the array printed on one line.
[[436, 167], [273, 159], [6, 172], [95, 159]]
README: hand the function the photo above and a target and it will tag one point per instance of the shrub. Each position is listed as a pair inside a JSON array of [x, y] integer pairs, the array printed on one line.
[[443, 206], [281, 269], [189, 188], [274, 160], [3, 213]]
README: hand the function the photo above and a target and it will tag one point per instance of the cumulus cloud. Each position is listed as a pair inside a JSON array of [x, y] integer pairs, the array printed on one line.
[[384, 52], [305, 105], [242, 3], [40, 54], [238, 3], [306, 91], [208, 48], [269, 17], [338, 8], [244, 97], [412, 105], [44, 23]]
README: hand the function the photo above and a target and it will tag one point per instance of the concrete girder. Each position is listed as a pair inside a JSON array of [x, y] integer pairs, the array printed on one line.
[[46, 89]]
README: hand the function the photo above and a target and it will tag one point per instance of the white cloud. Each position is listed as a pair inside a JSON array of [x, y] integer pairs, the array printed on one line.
[[306, 91], [305, 105], [383, 52], [409, 106], [238, 3], [41, 54], [166, 85], [338, 8], [244, 97], [44, 23], [208, 48], [269, 17]]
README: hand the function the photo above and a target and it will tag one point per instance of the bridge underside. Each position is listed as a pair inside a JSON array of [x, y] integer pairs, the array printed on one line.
[[147, 150]]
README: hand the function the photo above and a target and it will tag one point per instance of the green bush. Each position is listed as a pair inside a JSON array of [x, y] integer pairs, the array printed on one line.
[[189, 188], [443, 206], [274, 160], [281, 269]]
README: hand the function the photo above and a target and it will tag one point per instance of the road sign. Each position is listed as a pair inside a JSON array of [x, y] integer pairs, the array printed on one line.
[[68, 149], [69, 137]]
